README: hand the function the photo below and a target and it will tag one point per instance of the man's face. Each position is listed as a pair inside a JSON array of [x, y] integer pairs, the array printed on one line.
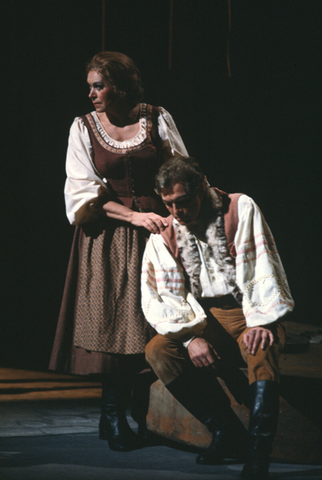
[[183, 206]]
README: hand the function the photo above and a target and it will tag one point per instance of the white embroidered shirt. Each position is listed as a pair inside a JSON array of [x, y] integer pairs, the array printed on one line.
[[171, 309]]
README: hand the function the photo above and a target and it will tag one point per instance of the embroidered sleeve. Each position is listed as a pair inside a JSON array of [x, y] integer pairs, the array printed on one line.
[[259, 271], [172, 141], [85, 192], [166, 303]]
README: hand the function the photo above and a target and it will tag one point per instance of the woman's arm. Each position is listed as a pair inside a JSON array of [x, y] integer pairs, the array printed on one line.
[[85, 192], [172, 142], [151, 221]]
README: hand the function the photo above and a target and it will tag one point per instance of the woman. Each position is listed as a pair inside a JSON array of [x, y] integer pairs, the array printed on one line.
[[112, 158]]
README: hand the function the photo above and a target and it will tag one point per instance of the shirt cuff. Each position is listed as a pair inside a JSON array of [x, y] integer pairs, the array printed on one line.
[[185, 344]]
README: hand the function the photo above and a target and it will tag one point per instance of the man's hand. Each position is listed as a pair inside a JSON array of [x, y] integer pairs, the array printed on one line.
[[258, 336], [202, 354]]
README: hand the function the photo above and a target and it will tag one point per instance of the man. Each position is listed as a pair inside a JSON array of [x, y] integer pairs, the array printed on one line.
[[214, 288]]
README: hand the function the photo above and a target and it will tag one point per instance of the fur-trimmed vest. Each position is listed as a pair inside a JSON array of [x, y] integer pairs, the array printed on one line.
[[217, 223]]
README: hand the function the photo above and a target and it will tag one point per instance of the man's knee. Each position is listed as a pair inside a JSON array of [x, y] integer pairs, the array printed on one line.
[[154, 350], [264, 365], [166, 357]]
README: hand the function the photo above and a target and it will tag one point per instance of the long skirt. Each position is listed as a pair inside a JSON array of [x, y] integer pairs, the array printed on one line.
[[101, 316]]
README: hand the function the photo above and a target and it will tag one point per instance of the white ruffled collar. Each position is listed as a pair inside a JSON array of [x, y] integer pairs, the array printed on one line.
[[212, 225], [133, 142]]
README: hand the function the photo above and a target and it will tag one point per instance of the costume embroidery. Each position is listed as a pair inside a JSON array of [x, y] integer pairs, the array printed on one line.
[[133, 145], [212, 224]]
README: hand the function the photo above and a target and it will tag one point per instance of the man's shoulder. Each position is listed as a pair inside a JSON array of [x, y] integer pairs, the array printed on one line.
[[229, 208], [228, 200], [169, 236]]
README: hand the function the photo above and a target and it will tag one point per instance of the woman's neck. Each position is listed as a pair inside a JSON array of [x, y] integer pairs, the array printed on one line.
[[121, 125], [120, 116]]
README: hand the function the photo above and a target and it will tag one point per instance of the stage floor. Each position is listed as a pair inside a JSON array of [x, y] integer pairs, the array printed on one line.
[[49, 430]]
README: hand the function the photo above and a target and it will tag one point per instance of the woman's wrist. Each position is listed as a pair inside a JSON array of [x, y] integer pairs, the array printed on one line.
[[118, 212]]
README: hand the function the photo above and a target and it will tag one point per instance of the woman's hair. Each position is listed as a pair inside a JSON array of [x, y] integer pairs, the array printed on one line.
[[121, 73], [184, 170]]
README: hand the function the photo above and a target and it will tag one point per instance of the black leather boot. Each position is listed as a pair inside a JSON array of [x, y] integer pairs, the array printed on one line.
[[228, 440], [199, 392], [264, 406], [113, 425], [140, 404]]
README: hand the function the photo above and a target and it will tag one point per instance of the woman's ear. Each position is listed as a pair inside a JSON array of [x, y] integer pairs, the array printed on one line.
[[206, 181]]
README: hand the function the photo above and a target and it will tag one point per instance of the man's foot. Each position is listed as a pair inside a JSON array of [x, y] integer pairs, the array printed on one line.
[[215, 453]]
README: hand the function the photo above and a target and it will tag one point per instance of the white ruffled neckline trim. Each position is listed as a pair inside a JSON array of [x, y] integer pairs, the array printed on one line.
[[137, 140]]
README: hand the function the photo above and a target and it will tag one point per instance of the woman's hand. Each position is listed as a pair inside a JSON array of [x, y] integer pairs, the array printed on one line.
[[151, 221]]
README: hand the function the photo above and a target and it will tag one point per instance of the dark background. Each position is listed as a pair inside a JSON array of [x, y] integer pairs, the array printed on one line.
[[256, 132]]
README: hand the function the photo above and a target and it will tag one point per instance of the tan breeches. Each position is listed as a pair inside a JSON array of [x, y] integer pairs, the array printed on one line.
[[225, 331]]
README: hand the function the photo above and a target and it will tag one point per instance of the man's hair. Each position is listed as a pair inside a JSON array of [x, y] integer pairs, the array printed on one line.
[[184, 170], [120, 72]]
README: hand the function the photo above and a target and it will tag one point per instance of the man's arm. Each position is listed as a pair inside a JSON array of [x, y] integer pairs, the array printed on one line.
[[166, 303], [259, 271]]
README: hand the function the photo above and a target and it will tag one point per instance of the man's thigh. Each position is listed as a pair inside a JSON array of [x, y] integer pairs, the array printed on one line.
[[226, 330], [264, 365], [223, 329], [168, 357]]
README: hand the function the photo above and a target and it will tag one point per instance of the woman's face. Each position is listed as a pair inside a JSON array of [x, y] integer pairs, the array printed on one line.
[[101, 93]]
